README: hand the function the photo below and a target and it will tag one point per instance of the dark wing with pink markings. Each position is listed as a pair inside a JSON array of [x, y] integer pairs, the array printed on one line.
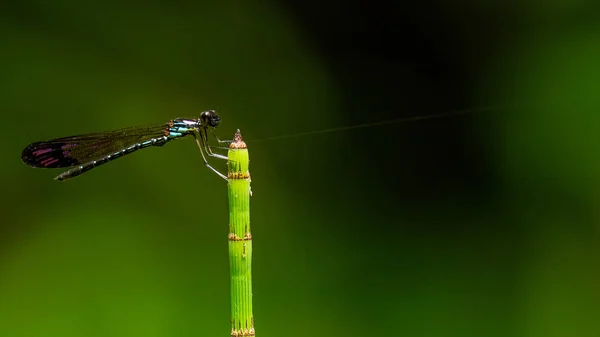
[[77, 150]]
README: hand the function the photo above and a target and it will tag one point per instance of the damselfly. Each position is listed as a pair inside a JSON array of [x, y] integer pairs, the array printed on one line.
[[84, 152]]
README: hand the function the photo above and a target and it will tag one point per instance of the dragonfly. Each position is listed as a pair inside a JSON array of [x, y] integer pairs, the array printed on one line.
[[84, 152]]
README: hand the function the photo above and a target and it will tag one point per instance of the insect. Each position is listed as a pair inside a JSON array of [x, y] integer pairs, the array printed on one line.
[[84, 152]]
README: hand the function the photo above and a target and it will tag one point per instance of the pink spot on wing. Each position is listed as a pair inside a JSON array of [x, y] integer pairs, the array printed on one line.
[[42, 151], [49, 161], [67, 146]]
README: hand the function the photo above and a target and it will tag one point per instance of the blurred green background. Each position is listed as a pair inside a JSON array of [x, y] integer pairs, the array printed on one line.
[[473, 225]]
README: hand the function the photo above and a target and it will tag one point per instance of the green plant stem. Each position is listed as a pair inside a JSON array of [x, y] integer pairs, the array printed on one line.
[[240, 238]]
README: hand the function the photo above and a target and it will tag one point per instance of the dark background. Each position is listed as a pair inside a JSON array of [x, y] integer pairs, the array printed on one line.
[[478, 224]]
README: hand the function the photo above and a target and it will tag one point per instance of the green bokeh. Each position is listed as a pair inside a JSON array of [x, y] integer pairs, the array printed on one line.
[[139, 247]]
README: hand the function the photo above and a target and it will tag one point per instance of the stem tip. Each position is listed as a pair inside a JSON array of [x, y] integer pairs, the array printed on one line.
[[238, 142]]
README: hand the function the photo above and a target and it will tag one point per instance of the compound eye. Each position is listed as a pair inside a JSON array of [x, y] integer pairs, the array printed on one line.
[[210, 118], [205, 116]]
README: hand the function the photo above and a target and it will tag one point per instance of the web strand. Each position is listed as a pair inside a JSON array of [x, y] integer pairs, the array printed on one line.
[[388, 122]]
